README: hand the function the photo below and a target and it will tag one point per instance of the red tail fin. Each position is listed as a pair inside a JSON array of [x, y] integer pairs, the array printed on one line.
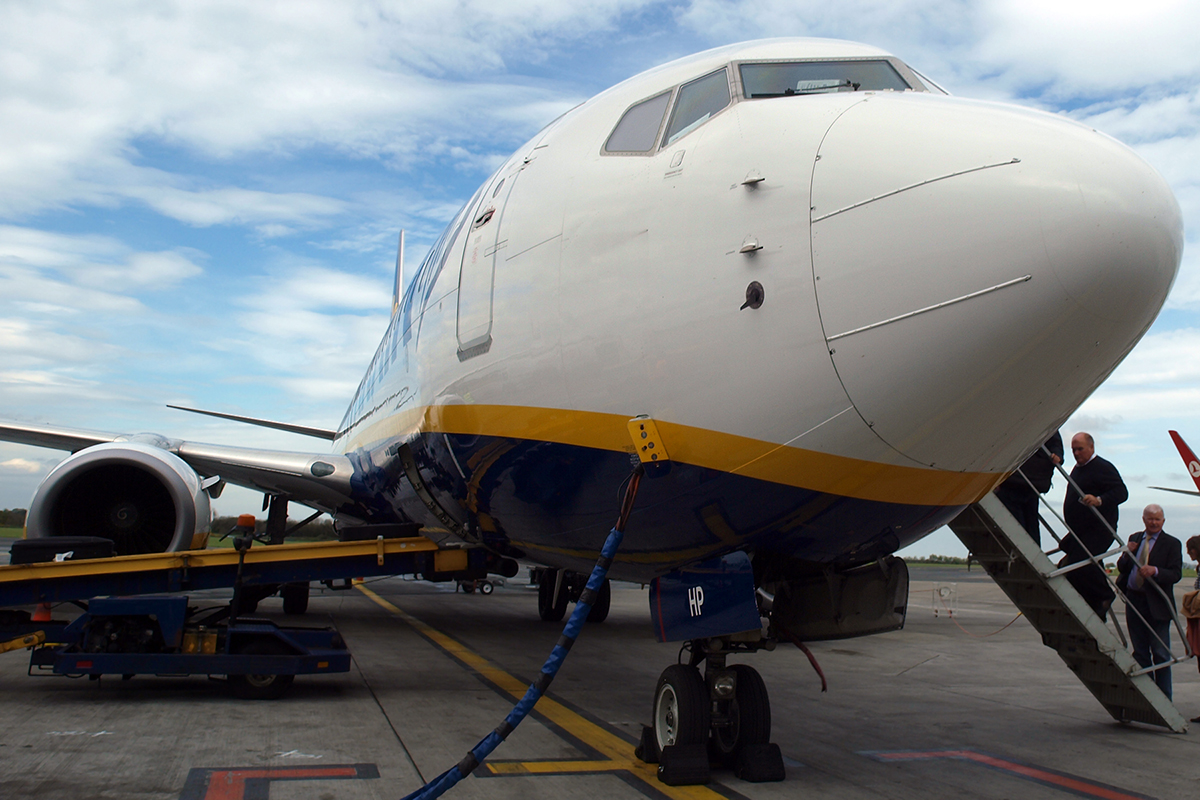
[[1189, 458]]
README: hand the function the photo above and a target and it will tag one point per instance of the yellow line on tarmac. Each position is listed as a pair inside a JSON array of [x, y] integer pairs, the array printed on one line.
[[551, 767], [619, 752]]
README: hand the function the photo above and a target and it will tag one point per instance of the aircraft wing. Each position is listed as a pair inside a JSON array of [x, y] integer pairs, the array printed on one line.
[[1177, 491], [321, 480], [53, 437]]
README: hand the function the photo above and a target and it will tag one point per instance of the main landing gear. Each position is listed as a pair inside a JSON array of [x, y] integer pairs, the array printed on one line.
[[721, 718], [557, 587]]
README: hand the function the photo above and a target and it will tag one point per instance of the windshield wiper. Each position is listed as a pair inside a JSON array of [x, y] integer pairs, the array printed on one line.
[[814, 87]]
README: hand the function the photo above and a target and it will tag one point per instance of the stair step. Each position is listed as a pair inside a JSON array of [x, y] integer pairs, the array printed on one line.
[[1067, 624]]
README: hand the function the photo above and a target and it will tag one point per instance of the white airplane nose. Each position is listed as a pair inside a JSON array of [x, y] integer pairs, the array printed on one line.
[[981, 269]]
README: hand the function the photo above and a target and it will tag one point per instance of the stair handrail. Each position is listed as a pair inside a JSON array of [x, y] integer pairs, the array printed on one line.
[[1070, 532], [1098, 561]]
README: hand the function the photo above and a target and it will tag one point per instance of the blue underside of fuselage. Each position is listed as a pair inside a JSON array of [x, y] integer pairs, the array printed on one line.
[[555, 504]]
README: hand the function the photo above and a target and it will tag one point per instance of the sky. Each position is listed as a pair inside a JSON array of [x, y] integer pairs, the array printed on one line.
[[199, 201]]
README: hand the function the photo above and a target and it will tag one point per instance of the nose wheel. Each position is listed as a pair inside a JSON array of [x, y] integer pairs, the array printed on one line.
[[721, 719], [742, 720], [681, 708]]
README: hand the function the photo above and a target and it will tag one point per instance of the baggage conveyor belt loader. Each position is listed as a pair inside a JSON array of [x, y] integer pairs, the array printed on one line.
[[126, 631]]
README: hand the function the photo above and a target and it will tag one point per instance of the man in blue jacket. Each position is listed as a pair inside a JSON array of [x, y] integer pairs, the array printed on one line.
[[1154, 557]]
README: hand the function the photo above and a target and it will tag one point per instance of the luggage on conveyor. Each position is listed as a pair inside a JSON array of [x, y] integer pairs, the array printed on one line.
[[60, 548]]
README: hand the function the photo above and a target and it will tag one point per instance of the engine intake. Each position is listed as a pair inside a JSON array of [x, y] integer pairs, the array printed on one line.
[[143, 498]]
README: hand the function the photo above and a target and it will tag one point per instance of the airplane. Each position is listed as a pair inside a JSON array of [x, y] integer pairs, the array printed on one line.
[[841, 303], [1189, 458]]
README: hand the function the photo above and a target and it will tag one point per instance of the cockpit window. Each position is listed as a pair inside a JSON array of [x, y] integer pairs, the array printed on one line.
[[819, 77], [638, 129], [698, 101]]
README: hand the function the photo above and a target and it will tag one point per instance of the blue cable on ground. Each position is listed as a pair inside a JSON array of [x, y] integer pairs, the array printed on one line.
[[444, 782]]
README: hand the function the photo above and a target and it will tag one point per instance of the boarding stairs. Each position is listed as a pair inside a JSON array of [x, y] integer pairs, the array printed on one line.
[[1096, 653]]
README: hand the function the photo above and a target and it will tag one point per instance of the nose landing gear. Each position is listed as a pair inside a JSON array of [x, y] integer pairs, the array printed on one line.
[[722, 718]]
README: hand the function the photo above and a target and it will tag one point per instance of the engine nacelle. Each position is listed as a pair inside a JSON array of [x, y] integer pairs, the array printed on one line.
[[145, 499]]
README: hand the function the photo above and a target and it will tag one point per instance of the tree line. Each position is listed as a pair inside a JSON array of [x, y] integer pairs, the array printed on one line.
[[320, 529], [12, 518], [936, 559]]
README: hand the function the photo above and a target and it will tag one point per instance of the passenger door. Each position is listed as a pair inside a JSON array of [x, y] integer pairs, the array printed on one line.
[[477, 277]]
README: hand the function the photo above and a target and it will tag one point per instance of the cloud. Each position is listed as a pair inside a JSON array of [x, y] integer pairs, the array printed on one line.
[[91, 94], [39, 264], [31, 289], [1159, 380], [312, 287], [1160, 361], [1148, 117], [143, 270], [1091, 423], [22, 465], [25, 344], [308, 331], [47, 279], [1067, 49], [231, 205]]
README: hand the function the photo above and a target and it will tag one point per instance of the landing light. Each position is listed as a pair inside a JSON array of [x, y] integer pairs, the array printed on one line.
[[724, 685]]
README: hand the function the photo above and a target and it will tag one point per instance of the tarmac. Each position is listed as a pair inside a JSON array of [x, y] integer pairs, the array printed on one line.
[[968, 705]]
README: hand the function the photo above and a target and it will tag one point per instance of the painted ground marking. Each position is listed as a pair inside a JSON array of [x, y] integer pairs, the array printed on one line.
[[1030, 772], [254, 783], [612, 753]]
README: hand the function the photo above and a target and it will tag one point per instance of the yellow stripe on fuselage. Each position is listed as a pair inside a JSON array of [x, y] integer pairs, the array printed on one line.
[[739, 455]]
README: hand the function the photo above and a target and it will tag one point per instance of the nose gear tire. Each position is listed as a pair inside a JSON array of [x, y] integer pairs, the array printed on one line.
[[681, 707]]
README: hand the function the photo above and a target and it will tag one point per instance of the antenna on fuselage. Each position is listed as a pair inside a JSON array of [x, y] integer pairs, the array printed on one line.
[[398, 287]]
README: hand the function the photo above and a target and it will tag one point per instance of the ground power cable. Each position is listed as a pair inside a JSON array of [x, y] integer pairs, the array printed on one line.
[[444, 782], [950, 614]]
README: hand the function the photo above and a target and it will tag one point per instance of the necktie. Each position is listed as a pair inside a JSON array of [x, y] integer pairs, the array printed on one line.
[[1143, 557]]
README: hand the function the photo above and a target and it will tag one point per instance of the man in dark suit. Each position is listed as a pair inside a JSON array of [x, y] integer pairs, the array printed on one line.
[[1100, 489], [1154, 557], [1021, 498]]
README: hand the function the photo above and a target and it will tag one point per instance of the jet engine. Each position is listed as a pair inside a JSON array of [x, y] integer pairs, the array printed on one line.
[[145, 499]]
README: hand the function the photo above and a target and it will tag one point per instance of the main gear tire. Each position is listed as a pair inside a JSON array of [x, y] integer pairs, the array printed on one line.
[[548, 609], [600, 608]]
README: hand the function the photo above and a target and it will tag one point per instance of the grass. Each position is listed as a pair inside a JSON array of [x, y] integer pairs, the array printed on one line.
[[11, 533], [215, 544]]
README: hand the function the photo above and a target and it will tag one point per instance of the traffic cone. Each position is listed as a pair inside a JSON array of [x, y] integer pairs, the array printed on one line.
[[42, 613]]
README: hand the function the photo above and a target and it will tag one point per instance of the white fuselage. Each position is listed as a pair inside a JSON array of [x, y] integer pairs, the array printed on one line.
[[943, 281]]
